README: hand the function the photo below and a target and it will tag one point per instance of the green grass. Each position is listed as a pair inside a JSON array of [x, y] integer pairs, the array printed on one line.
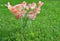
[[46, 27]]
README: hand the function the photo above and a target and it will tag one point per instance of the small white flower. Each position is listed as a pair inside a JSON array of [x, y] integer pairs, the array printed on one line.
[[27, 7], [40, 4], [33, 5], [24, 4]]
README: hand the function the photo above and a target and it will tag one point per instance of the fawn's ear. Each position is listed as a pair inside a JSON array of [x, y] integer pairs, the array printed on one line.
[[8, 5]]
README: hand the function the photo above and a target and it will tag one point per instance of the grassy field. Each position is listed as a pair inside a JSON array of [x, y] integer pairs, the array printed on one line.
[[46, 27]]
